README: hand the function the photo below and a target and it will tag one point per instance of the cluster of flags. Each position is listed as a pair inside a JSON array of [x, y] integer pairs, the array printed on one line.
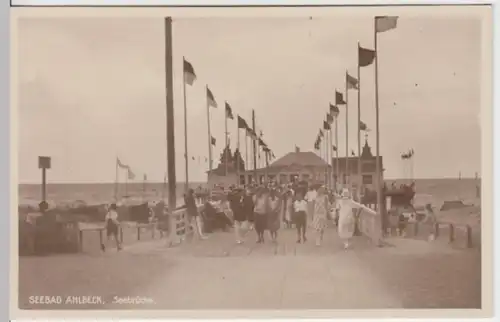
[[366, 57], [190, 77], [408, 155]]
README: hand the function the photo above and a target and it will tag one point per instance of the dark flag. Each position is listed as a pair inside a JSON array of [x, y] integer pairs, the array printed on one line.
[[242, 124], [261, 143], [213, 141], [365, 56], [251, 133], [334, 110], [352, 82], [334, 148], [229, 112], [320, 133], [189, 74], [352, 153], [211, 98], [363, 127], [339, 98], [326, 125]]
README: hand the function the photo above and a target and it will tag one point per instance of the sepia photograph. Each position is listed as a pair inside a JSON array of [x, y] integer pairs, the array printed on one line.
[[238, 159]]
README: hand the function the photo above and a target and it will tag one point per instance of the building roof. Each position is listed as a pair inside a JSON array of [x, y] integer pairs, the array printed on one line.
[[304, 159]]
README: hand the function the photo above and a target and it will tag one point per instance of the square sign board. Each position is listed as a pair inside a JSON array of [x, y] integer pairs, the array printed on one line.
[[44, 162]]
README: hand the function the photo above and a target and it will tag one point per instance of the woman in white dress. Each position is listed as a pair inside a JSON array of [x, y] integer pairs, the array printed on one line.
[[346, 218]]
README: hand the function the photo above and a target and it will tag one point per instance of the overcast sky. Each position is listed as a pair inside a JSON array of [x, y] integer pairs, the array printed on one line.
[[91, 89]]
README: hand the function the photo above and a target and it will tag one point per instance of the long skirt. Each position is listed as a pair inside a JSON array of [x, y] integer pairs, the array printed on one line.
[[320, 222], [273, 223], [346, 225], [260, 222]]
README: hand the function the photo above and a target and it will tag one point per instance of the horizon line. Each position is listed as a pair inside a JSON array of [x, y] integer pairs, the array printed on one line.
[[197, 182]]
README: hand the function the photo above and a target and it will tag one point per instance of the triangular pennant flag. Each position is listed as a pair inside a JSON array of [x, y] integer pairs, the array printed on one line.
[[120, 164], [334, 148], [229, 111], [385, 23], [339, 98], [210, 98], [363, 127], [334, 110], [213, 141], [189, 74], [242, 124], [326, 125], [365, 56], [352, 153], [352, 83]]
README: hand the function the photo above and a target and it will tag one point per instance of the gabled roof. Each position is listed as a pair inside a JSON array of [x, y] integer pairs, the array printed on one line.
[[302, 159]]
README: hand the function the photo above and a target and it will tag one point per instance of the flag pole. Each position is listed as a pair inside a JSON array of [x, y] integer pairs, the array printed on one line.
[[360, 175], [246, 152], [254, 148], [377, 130], [209, 134], [238, 149], [328, 152], [330, 160], [226, 149], [337, 166], [185, 130], [347, 181], [116, 180]]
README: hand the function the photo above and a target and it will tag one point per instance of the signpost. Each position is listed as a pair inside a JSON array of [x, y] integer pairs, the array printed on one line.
[[44, 164]]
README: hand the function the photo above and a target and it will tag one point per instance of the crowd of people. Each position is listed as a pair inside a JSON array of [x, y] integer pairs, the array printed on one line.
[[269, 207]]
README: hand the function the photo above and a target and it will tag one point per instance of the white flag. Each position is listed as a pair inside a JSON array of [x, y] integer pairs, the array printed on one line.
[[385, 23]]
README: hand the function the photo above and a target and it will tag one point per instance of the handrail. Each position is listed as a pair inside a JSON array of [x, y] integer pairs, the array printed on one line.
[[176, 232]]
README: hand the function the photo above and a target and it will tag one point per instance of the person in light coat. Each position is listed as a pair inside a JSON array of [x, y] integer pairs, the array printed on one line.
[[346, 218]]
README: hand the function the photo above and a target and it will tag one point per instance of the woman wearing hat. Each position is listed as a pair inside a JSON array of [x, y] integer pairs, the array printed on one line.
[[346, 218]]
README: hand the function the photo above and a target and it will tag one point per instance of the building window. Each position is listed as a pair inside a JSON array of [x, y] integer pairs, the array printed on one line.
[[242, 179], [283, 178], [305, 176], [367, 179]]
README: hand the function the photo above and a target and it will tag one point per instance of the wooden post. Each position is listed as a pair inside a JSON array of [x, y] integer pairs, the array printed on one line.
[[121, 235], [100, 237], [469, 236], [138, 232], [452, 233], [415, 229], [80, 240], [44, 164], [436, 230]]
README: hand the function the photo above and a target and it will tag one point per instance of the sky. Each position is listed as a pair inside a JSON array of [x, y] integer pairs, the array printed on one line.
[[93, 89]]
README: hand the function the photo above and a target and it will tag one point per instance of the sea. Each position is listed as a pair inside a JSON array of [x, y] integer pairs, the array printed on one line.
[[62, 194], [434, 191]]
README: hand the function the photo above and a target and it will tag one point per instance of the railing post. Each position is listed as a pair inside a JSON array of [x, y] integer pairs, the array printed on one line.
[[121, 234], [80, 239], [469, 236], [153, 227], [138, 232], [436, 230], [452, 233], [415, 228], [100, 237]]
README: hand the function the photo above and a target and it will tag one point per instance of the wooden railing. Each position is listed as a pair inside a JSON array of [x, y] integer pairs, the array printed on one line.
[[448, 229], [368, 222], [176, 231]]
